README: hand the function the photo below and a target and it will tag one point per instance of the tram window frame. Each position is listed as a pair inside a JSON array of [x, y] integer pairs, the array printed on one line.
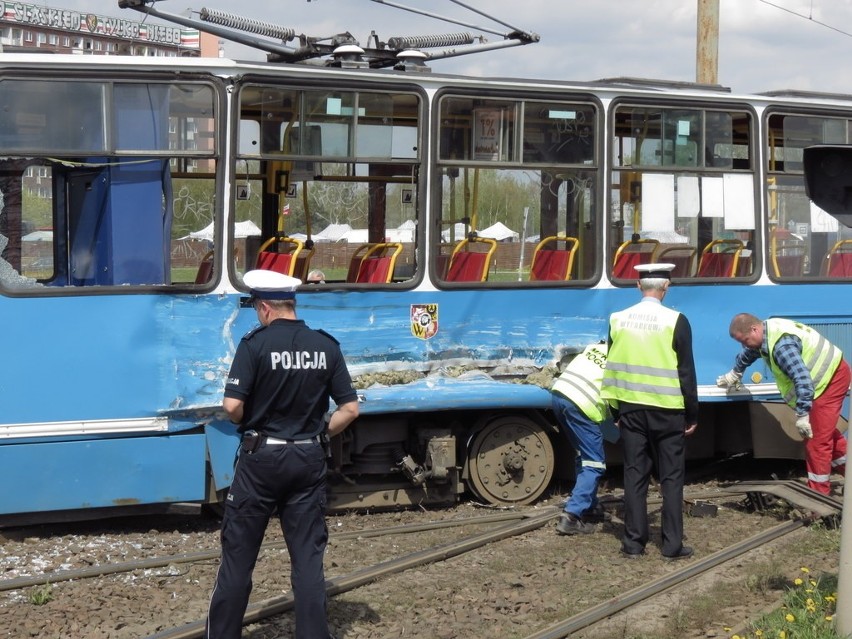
[[796, 252], [714, 175], [519, 159], [369, 167], [111, 225]]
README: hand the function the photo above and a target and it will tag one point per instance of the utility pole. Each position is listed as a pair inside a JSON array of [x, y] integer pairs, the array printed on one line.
[[707, 43]]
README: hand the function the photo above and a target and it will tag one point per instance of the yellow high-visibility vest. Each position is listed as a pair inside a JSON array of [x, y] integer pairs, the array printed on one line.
[[820, 356], [642, 364], [581, 382]]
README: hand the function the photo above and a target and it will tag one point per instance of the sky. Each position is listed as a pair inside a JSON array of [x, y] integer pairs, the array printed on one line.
[[783, 44]]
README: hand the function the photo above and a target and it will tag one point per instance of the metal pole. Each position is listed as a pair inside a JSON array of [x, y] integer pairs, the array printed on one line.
[[707, 44], [843, 617]]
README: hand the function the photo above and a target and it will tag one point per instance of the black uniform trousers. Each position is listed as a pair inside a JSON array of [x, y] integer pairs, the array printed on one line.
[[290, 477], [653, 438]]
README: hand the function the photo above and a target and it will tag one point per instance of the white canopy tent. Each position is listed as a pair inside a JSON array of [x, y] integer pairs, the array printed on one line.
[[500, 232], [241, 230], [38, 236]]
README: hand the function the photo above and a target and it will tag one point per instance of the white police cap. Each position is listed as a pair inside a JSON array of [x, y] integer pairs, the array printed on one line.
[[271, 285], [659, 270]]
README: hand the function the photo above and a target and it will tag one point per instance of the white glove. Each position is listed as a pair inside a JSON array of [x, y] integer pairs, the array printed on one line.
[[803, 425], [730, 380]]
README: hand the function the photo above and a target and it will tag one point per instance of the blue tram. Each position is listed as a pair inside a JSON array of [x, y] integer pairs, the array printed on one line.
[[470, 235]]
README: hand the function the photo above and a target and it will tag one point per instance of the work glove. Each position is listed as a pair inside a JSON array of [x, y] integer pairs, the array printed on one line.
[[730, 380], [803, 425]]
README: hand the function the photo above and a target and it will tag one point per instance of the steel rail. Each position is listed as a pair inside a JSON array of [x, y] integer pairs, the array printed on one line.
[[100, 570], [337, 585], [616, 604]]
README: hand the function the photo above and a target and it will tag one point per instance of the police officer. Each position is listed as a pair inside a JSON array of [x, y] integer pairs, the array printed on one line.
[[277, 393], [579, 409], [813, 378], [650, 381]]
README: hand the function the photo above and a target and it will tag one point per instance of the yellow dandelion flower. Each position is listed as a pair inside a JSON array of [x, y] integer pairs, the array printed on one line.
[[758, 633], [803, 569], [809, 590], [813, 583], [735, 636], [829, 617], [798, 581], [830, 598], [726, 629], [789, 617], [782, 634]]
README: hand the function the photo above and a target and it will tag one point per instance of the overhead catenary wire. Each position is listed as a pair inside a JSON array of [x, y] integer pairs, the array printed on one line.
[[809, 18]]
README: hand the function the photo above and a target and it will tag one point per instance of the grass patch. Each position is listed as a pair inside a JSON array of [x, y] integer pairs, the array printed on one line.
[[807, 612], [41, 594]]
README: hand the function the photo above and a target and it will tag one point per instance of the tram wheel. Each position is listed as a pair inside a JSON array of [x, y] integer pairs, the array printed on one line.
[[510, 461]]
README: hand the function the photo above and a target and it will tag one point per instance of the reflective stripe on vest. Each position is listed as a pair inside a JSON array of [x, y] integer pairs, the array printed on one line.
[[820, 357], [642, 364], [581, 382]]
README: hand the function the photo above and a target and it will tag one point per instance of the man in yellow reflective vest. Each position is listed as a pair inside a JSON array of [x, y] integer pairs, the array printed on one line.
[[813, 379], [650, 384], [580, 410]]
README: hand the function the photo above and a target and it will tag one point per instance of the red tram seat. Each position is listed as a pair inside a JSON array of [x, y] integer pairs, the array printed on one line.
[[470, 259], [682, 256], [631, 253], [838, 262], [550, 262], [205, 269], [720, 258], [787, 254], [284, 259], [376, 262]]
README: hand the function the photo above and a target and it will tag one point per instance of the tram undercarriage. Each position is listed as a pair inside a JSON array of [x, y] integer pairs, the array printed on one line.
[[391, 461]]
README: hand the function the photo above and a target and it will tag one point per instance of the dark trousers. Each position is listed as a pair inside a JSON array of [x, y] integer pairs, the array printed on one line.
[[291, 478], [653, 438]]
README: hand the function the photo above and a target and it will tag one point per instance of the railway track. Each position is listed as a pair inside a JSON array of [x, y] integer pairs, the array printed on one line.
[[479, 541]]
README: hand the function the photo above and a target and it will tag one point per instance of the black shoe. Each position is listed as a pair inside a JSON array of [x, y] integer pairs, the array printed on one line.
[[683, 553], [596, 515], [632, 555], [569, 524]]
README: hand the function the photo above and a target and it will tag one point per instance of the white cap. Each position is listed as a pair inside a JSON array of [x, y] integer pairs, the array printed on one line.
[[661, 270], [271, 285]]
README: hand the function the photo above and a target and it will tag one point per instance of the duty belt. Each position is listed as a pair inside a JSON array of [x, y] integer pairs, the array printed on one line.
[[274, 441], [252, 440]]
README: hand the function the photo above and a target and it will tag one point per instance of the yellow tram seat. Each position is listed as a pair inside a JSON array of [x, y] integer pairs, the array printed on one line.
[[470, 259], [720, 258], [550, 262], [282, 261], [631, 253], [682, 256], [375, 263], [838, 262]]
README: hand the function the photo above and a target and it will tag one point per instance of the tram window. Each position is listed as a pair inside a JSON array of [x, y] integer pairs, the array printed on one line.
[[478, 129], [52, 115], [519, 196], [185, 114], [560, 133], [104, 182], [803, 240], [331, 182], [493, 222], [678, 194]]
